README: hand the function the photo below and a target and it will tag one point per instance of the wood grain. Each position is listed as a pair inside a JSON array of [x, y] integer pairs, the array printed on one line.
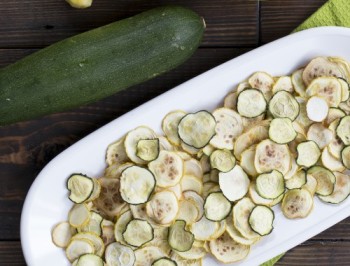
[[11, 254], [37, 23]]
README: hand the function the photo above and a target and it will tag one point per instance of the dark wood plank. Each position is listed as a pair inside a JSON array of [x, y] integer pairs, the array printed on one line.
[[38, 23], [278, 18], [11, 254]]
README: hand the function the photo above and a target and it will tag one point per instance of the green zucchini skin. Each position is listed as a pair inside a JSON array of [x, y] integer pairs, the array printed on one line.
[[98, 63]]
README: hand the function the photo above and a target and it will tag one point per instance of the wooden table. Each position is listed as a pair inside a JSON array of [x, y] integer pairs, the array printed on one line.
[[233, 28]]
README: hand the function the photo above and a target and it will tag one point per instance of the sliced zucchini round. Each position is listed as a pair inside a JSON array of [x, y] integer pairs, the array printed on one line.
[[261, 220], [216, 207], [257, 199], [179, 238], [148, 255], [194, 253], [204, 229], [284, 105], [94, 239], [133, 137], [115, 170], [220, 230], [297, 203], [226, 250], [96, 191], [189, 149], [343, 66], [317, 109], [236, 235], [116, 153], [250, 122], [193, 167], [308, 153], [107, 233], [234, 184], [90, 260], [147, 149], [80, 188], [62, 234], [205, 164], [345, 157], [282, 131], [330, 162], [168, 168], [341, 189], [94, 224], [328, 88], [228, 127], [283, 83], [230, 100], [247, 158], [345, 87], [293, 169], [334, 114], [302, 118], [164, 144], [311, 184], [343, 130], [169, 125], [263, 82], [320, 67], [242, 86], [183, 262], [77, 248], [138, 232], [197, 129], [136, 185], [241, 212], [188, 211], [222, 160], [191, 182], [297, 181], [270, 185], [325, 180], [272, 156], [336, 145], [79, 215], [251, 103], [320, 134], [164, 262], [119, 255], [197, 200], [163, 207], [298, 83]]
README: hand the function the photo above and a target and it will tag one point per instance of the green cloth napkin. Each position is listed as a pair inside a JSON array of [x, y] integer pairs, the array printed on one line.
[[332, 13]]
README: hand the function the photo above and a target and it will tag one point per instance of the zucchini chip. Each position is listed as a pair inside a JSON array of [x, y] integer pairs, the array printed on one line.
[[80, 188], [345, 157], [236, 235], [119, 255], [297, 181], [115, 170], [205, 164], [230, 100], [136, 185], [198, 200], [234, 184], [284, 105], [345, 89], [251, 122], [320, 67], [221, 229], [272, 156], [283, 83], [311, 184], [317, 109], [94, 225], [247, 158], [194, 253], [197, 129], [107, 232], [343, 66], [282, 131], [334, 114], [241, 212], [90, 259], [343, 130], [188, 211], [79, 215], [263, 82], [302, 118], [228, 127], [163, 207], [164, 144], [330, 162], [298, 83], [97, 190], [147, 149], [216, 207], [77, 248], [226, 250], [204, 229], [179, 238], [120, 226], [189, 149], [242, 86], [257, 199], [168, 168], [183, 262], [148, 255], [261, 220], [325, 180], [190, 182], [270, 185], [164, 262], [320, 134], [293, 169], [138, 232], [251, 103], [169, 125], [308, 153], [62, 234], [222, 160], [336, 145], [116, 153], [328, 88], [341, 189], [193, 167], [94, 239], [297, 203]]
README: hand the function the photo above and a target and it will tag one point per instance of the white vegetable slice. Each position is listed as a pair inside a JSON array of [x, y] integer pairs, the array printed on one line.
[[242, 86], [193, 167], [308, 153], [334, 114], [90, 260], [136, 185], [163, 207], [119, 255], [343, 66], [293, 169], [284, 105], [188, 211], [297, 203], [230, 100], [221, 229], [197, 129], [133, 137], [270, 185], [169, 125], [216, 207], [234, 184], [176, 189], [341, 189], [168, 168], [247, 158], [204, 229], [261, 220], [320, 134], [107, 233], [330, 162], [282, 131], [257, 199], [251, 103], [272, 156], [96, 191], [198, 200], [226, 250], [343, 129], [263, 82], [183, 262], [297, 181], [236, 235], [345, 93], [222, 160], [205, 164], [325, 180], [138, 232], [120, 226], [179, 238], [80, 188], [116, 153], [96, 241], [147, 255], [115, 170], [336, 145], [283, 83], [228, 127], [78, 247], [192, 183], [328, 88], [194, 253], [302, 118], [317, 109], [241, 212], [345, 157], [62, 234], [298, 83], [164, 144], [311, 184], [189, 149], [94, 224], [79, 215], [147, 149]]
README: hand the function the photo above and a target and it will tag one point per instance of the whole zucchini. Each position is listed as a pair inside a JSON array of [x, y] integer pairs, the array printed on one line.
[[95, 64]]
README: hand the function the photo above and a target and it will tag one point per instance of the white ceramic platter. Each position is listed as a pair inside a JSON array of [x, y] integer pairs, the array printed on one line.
[[47, 204]]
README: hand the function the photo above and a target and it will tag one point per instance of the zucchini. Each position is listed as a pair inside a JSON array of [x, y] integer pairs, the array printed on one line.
[[147, 149], [241, 212], [164, 262], [191, 183], [62, 234], [270, 185], [79, 215], [95, 240], [308, 153], [169, 126], [119, 255], [80, 188], [204, 229], [251, 103], [341, 189], [325, 180], [263, 82], [138, 232], [217, 207], [297, 203], [261, 220], [297, 181], [78, 247], [320, 134], [283, 83], [343, 129], [345, 157], [95, 64], [90, 260], [222, 160], [236, 235], [116, 153], [317, 109], [282, 131], [188, 211], [284, 105], [94, 225], [179, 238], [147, 255], [298, 83], [121, 224], [334, 114], [328, 88]]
